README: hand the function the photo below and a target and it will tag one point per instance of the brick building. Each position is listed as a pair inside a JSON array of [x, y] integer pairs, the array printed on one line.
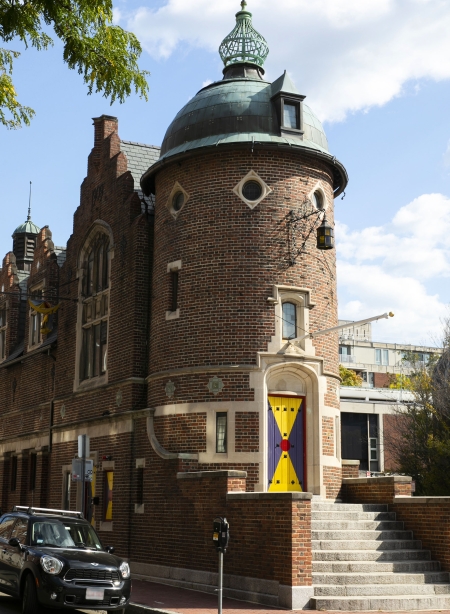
[[179, 344]]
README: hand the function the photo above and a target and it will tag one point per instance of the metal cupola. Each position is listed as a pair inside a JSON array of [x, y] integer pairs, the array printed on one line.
[[244, 45]]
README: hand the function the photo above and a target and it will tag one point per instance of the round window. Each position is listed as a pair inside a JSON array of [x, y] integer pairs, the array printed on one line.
[[251, 190], [317, 199], [178, 201]]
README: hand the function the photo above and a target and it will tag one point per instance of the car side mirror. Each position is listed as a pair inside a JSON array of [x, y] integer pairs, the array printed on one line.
[[14, 542], [110, 549]]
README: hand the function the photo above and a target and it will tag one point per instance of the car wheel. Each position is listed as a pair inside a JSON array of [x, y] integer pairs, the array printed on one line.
[[30, 604]]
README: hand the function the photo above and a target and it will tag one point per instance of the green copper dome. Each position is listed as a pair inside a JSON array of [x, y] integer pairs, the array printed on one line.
[[244, 110], [28, 228], [244, 43]]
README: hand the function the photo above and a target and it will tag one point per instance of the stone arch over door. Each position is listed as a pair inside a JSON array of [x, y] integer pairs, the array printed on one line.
[[297, 380]]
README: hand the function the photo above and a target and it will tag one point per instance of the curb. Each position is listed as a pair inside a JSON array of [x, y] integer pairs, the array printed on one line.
[[136, 608]]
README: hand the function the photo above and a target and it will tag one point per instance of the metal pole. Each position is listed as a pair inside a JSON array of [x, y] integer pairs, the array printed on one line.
[[83, 470], [220, 580]]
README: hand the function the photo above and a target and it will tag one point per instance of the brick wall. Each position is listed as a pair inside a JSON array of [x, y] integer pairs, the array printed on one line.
[[270, 533], [350, 469], [429, 519], [381, 380], [332, 479], [328, 436], [247, 432], [230, 262], [375, 490]]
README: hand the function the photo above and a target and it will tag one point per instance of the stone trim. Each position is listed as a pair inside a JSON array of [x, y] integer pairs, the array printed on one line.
[[194, 475]]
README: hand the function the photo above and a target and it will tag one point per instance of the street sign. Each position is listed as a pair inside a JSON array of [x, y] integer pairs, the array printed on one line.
[[77, 470]]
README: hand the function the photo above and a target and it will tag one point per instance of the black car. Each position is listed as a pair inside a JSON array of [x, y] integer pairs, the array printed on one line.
[[54, 558]]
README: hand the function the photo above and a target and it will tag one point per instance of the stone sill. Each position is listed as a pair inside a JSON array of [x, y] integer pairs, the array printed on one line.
[[194, 475], [350, 462], [422, 500], [388, 479], [263, 496]]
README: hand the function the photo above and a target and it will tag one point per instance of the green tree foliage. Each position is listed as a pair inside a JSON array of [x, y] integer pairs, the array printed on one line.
[[349, 377], [420, 441], [104, 54]]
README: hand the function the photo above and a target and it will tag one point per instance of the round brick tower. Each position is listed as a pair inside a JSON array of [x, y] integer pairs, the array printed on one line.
[[244, 181]]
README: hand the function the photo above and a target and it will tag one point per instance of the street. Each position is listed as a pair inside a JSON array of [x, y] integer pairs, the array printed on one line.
[[9, 605]]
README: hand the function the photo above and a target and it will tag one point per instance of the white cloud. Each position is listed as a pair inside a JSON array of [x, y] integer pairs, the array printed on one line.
[[346, 55], [394, 267]]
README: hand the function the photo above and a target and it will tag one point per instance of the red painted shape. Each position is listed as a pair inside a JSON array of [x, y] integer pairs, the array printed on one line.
[[285, 445]]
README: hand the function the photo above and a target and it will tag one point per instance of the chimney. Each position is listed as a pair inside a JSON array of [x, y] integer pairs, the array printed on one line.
[[104, 126]]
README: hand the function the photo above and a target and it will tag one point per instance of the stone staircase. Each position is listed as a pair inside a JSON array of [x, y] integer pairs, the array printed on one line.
[[363, 559]]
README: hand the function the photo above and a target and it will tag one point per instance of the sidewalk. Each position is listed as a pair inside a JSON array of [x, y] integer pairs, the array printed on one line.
[[150, 597]]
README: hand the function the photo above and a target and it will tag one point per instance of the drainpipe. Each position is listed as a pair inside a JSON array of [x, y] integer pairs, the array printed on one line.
[[157, 447]]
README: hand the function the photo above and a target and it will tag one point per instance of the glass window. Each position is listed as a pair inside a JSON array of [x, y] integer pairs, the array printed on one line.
[[13, 473], [289, 321], [291, 117], [94, 341], [83, 535], [20, 530], [33, 467], [51, 533], [317, 200], [252, 190], [5, 527], [2, 333], [174, 290], [221, 432], [66, 501], [385, 357], [378, 357]]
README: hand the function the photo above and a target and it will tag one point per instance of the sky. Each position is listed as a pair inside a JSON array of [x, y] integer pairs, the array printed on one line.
[[377, 73]]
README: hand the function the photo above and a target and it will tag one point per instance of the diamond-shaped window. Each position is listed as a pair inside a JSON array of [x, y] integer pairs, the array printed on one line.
[[252, 189], [178, 197]]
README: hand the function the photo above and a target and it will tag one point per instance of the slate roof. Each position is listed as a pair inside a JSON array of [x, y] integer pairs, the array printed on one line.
[[140, 157], [60, 255]]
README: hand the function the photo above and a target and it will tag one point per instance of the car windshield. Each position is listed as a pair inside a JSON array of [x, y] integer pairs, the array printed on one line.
[[51, 533], [83, 535]]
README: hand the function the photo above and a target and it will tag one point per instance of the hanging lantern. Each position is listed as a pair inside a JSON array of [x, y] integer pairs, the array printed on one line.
[[325, 235]]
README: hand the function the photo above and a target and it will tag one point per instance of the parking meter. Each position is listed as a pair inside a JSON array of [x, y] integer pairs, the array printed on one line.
[[221, 534]]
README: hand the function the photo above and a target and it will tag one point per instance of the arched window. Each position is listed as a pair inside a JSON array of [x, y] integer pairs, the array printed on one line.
[[95, 309], [96, 278], [289, 321]]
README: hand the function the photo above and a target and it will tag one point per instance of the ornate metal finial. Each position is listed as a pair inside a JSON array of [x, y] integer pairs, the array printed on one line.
[[244, 43], [29, 206]]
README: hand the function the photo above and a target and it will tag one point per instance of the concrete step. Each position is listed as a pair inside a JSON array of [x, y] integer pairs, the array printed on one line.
[[366, 544], [360, 535], [357, 525], [365, 590], [400, 602], [371, 555], [367, 567], [340, 579], [338, 515], [317, 506]]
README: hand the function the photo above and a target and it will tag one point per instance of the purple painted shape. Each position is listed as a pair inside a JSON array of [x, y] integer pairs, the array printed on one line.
[[273, 442], [296, 441]]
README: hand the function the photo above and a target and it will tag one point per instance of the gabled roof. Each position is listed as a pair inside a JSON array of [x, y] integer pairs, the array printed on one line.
[[284, 85]]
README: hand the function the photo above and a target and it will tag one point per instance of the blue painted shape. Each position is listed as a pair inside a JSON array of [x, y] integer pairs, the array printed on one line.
[[274, 438]]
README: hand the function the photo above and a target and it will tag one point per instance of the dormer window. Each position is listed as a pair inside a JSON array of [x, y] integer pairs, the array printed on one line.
[[291, 115]]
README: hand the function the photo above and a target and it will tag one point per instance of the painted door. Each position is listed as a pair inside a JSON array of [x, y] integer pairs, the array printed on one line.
[[286, 462]]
